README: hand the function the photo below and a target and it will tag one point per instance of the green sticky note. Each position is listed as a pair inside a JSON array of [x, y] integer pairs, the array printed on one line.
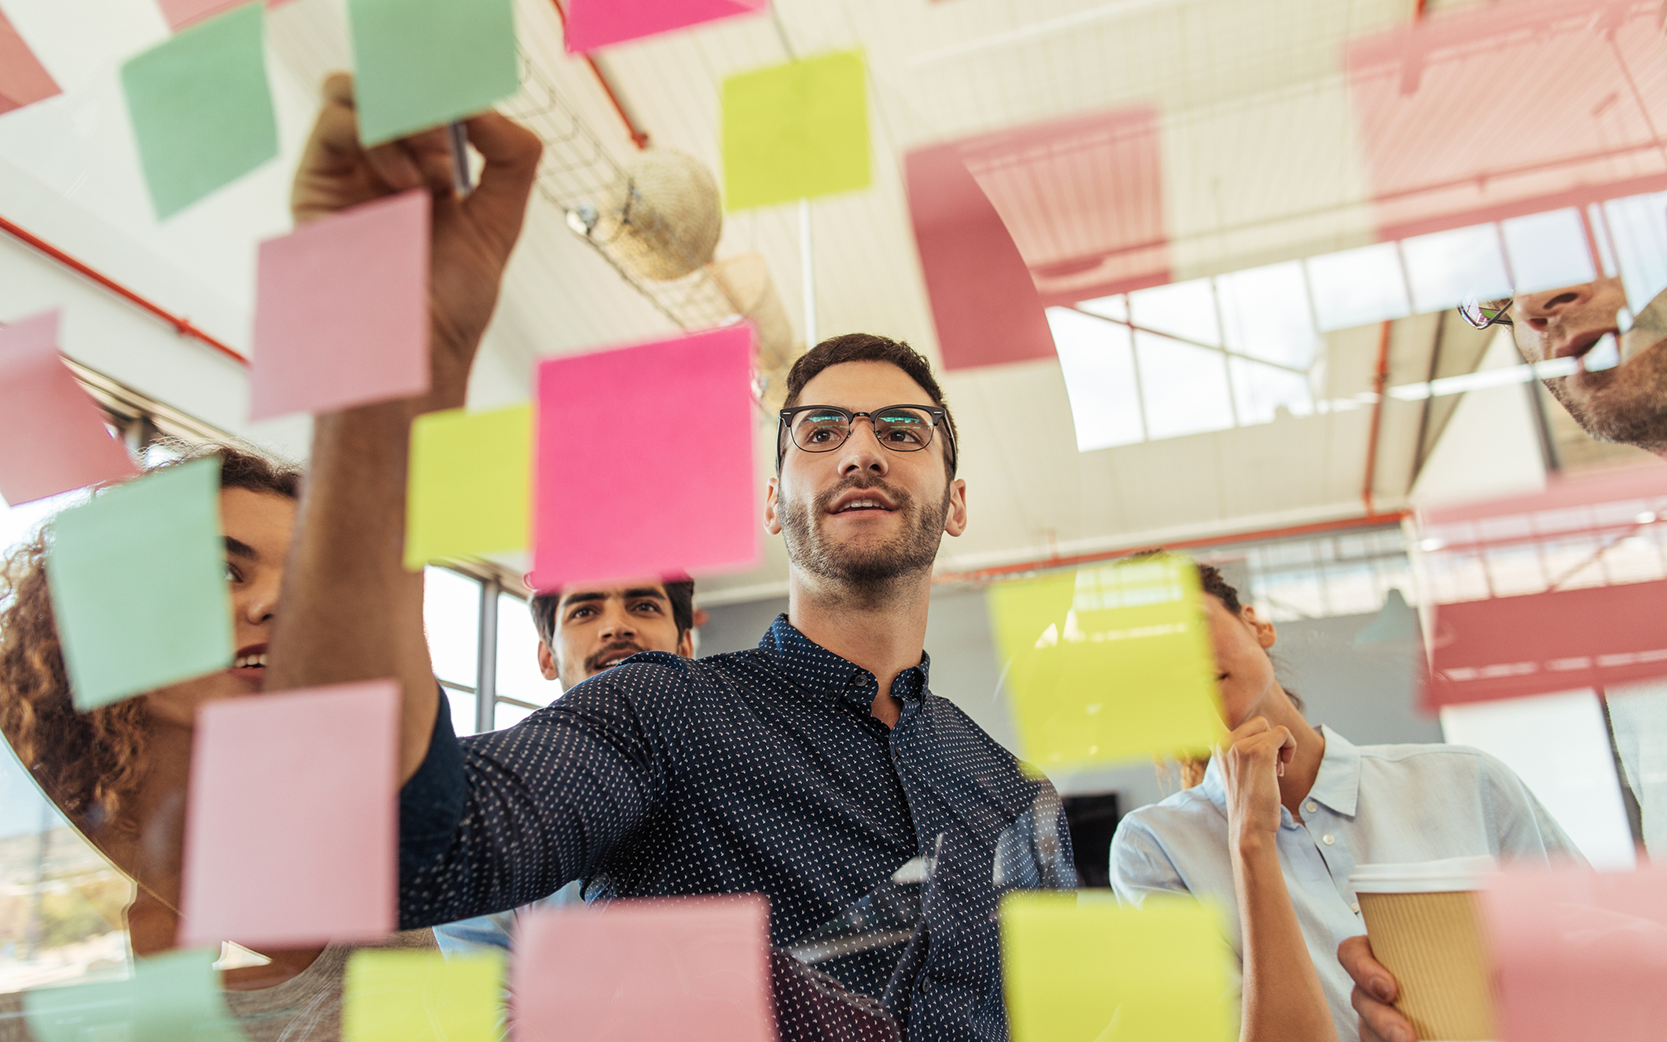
[[469, 486], [411, 996], [421, 63], [173, 997], [795, 131], [138, 581], [1109, 663], [200, 108], [1086, 969]]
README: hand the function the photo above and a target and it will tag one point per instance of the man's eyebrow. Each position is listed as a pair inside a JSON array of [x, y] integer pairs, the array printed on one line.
[[647, 591], [577, 598], [238, 548]]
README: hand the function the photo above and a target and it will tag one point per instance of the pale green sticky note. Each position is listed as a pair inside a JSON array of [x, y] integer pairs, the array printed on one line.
[[138, 580], [200, 108], [413, 996], [421, 63], [173, 997], [1086, 969], [795, 131], [469, 487], [1109, 663]]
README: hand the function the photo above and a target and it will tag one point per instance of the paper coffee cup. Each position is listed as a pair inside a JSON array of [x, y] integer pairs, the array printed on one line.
[[1425, 925]]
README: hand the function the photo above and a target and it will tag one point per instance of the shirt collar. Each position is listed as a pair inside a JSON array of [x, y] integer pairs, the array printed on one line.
[[1337, 785], [815, 668]]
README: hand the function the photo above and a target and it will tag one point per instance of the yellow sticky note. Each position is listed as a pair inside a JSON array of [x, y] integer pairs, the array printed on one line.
[[1086, 969], [469, 486], [795, 131], [416, 996], [1109, 663]]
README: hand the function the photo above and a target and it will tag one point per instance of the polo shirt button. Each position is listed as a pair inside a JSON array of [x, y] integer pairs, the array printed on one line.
[[1329, 839], [1355, 908], [1310, 806]]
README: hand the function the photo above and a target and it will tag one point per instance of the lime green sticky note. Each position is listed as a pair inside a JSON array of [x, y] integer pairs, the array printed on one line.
[[173, 997], [200, 108], [469, 489], [1109, 663], [1086, 969], [413, 996], [138, 581], [421, 63], [795, 131]]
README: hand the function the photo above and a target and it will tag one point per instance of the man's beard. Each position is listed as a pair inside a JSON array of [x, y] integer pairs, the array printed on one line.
[[1627, 404], [869, 571]]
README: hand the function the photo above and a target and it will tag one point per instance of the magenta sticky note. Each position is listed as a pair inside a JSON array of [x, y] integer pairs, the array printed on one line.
[[690, 968], [52, 435], [341, 310], [1578, 953], [291, 833], [597, 23], [644, 461]]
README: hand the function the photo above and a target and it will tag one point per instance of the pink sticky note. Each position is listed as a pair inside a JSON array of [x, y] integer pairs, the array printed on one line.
[[23, 79], [291, 831], [181, 13], [341, 310], [691, 968], [597, 23], [644, 461], [1579, 954], [1439, 104], [52, 435]]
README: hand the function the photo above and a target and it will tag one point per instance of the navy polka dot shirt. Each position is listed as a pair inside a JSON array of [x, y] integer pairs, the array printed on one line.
[[758, 771]]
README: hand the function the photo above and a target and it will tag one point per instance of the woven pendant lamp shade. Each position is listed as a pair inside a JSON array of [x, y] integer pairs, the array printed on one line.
[[661, 218], [745, 281]]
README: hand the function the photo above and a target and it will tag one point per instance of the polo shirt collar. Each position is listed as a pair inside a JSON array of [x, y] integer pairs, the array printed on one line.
[[815, 668], [1337, 785]]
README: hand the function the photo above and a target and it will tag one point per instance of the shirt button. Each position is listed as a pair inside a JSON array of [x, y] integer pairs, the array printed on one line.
[[1310, 806], [1355, 908], [1328, 839]]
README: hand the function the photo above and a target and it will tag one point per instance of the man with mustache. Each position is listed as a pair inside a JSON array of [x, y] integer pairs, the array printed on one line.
[[811, 768], [1624, 402]]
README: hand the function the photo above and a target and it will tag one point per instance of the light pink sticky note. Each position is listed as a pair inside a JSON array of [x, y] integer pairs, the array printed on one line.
[[291, 833], [23, 79], [181, 13], [597, 23], [341, 310], [644, 461], [1579, 954], [690, 968], [52, 435]]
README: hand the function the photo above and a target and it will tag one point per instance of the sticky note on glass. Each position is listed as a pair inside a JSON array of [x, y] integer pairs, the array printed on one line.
[[200, 108], [291, 827], [421, 63], [341, 310], [1573, 948], [660, 406], [172, 997], [1109, 663], [795, 131], [470, 486], [597, 23], [156, 542], [686, 968], [23, 79], [1085, 967], [52, 435], [394, 995]]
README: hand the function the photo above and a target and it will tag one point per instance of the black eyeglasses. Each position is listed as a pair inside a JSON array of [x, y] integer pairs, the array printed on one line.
[[900, 428], [1485, 313]]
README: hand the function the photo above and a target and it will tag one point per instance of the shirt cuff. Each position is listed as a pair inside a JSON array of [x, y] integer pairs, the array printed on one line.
[[431, 803]]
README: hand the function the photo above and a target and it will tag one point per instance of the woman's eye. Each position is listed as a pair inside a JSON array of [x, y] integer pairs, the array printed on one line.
[[232, 574]]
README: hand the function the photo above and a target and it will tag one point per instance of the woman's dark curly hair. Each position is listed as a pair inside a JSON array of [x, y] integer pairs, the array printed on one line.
[[89, 763]]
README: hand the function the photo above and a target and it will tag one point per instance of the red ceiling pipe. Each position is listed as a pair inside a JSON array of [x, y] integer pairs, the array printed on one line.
[[639, 137], [1380, 381], [182, 325], [1260, 535]]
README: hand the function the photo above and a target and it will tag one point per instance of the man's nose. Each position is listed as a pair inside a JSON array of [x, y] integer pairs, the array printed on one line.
[[618, 625], [1541, 308], [862, 450]]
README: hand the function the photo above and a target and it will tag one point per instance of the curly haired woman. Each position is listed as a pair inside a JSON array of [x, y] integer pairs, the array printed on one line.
[[119, 773]]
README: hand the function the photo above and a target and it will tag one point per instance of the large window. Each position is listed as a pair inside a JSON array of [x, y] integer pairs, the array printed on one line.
[[484, 649]]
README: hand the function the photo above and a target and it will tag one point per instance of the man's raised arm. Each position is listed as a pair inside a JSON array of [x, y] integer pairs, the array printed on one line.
[[351, 610]]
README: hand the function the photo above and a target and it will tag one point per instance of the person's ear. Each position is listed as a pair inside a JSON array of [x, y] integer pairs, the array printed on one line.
[[1266, 635], [955, 520], [686, 644], [772, 523], [547, 662]]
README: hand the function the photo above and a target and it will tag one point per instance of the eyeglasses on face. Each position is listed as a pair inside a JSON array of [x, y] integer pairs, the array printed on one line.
[[1485, 313], [824, 428]]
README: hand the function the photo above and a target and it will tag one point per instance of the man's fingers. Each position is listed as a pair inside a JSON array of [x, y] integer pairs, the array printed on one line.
[[499, 203], [395, 165], [338, 87], [1287, 744], [1380, 1022], [1355, 954], [1254, 726]]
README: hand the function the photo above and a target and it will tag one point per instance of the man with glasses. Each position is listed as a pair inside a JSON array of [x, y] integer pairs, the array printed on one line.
[[1619, 391], [811, 768]]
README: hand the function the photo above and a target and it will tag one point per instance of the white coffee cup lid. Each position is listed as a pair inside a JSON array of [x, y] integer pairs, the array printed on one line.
[[1423, 877]]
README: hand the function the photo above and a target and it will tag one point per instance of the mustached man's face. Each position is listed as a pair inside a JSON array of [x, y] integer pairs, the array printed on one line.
[[860, 517], [1627, 403], [596, 628]]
